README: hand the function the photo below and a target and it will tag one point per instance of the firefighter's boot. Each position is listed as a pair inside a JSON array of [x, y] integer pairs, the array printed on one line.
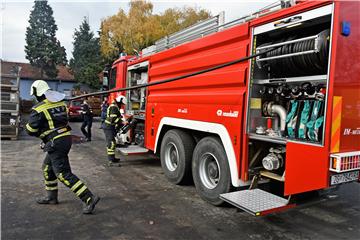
[[51, 198], [90, 206], [113, 162]]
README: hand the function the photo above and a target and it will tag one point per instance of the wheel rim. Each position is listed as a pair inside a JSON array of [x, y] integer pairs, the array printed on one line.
[[171, 156], [209, 170]]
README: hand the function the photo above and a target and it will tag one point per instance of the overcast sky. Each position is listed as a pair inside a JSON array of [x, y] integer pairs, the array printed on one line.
[[69, 15]]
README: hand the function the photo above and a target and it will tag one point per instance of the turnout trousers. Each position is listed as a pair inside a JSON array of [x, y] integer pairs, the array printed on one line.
[[56, 166], [110, 134]]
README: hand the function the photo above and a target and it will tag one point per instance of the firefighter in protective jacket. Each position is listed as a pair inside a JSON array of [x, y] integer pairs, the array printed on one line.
[[114, 120], [49, 122]]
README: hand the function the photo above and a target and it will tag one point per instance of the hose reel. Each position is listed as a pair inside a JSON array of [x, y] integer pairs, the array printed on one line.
[[308, 55]]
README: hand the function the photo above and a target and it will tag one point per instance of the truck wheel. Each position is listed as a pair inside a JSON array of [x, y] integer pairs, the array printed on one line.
[[210, 170], [176, 154]]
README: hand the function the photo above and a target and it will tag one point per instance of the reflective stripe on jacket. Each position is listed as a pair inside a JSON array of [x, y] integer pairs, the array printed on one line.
[[48, 119]]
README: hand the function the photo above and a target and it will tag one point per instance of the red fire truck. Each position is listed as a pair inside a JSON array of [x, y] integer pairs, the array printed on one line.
[[286, 114]]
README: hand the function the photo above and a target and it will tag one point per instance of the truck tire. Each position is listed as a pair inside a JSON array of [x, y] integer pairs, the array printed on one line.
[[210, 170], [175, 154]]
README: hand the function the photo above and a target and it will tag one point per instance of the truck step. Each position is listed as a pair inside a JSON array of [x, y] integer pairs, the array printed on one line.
[[132, 149], [256, 201]]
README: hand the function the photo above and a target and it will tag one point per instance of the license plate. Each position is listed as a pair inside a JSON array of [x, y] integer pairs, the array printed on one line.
[[344, 177]]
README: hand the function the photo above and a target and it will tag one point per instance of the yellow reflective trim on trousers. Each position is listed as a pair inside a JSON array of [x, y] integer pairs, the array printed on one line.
[[51, 188], [111, 149], [88, 199], [46, 168], [62, 179], [76, 185], [108, 122], [51, 182], [61, 135], [81, 190], [113, 115], [49, 119], [28, 127]]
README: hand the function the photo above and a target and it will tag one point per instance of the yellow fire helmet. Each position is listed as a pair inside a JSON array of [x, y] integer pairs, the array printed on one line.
[[38, 88]]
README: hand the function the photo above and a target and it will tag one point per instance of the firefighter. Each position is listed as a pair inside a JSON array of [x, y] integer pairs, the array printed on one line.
[[114, 120], [49, 121], [87, 120]]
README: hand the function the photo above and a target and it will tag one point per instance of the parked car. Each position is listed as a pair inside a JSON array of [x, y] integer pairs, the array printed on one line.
[[74, 107]]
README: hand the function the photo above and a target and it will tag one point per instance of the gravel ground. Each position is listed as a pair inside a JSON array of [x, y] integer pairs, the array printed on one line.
[[139, 203]]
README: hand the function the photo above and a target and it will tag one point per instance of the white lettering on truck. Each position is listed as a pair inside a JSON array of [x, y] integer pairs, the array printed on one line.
[[349, 131], [233, 114]]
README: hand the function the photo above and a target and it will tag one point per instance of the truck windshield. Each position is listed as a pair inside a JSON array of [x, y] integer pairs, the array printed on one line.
[[112, 82]]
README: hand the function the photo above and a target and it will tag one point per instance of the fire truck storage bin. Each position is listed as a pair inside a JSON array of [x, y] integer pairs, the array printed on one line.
[[288, 90], [7, 96], [9, 107], [302, 50], [9, 81], [9, 119], [9, 132], [9, 125], [138, 74]]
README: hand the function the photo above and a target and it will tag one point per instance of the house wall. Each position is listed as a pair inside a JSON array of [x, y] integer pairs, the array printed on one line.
[[25, 85]]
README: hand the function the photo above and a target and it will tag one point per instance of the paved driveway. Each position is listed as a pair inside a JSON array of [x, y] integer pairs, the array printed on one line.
[[139, 203]]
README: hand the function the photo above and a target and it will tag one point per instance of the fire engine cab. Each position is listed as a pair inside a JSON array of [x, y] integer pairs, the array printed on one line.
[[287, 115]]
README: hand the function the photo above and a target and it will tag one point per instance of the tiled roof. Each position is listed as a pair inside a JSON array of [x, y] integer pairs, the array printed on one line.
[[30, 72]]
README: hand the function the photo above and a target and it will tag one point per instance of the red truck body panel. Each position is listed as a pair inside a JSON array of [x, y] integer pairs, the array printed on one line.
[[200, 97], [345, 76], [207, 96]]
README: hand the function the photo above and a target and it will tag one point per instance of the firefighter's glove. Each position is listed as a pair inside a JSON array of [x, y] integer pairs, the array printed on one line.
[[49, 146]]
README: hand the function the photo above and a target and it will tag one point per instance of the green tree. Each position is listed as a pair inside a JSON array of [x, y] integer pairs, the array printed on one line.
[[140, 28], [42, 49], [86, 62]]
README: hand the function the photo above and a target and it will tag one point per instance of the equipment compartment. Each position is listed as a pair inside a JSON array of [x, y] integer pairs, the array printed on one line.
[[137, 75], [288, 88], [289, 81]]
